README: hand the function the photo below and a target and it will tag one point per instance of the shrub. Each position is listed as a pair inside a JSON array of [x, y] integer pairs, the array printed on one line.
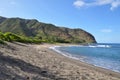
[[2, 37], [2, 42]]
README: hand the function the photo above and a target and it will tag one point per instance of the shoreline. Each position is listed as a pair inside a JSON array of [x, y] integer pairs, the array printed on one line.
[[84, 64], [38, 62], [68, 55]]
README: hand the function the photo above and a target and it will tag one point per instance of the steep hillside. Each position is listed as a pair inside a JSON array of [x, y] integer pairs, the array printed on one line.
[[34, 28]]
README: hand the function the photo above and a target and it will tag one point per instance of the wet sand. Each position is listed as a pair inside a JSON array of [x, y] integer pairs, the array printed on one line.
[[20, 61]]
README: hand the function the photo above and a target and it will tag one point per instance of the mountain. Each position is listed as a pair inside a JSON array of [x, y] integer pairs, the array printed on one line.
[[34, 28]]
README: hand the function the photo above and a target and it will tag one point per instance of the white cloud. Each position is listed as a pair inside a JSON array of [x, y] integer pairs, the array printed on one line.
[[79, 3], [115, 4], [106, 30], [103, 2], [82, 3]]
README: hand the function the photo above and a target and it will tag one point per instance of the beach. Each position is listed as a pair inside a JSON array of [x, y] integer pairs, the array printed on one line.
[[20, 61]]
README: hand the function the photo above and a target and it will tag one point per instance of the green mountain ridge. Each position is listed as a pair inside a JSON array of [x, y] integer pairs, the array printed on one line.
[[44, 31]]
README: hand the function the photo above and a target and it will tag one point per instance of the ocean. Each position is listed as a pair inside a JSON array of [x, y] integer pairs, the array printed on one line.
[[101, 55]]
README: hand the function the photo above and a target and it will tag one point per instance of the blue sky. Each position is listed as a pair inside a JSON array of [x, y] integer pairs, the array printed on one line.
[[99, 17]]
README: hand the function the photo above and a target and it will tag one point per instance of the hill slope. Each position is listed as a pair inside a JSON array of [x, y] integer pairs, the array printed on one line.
[[34, 28]]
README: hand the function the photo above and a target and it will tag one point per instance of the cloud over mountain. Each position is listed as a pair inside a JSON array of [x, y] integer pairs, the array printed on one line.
[[82, 3]]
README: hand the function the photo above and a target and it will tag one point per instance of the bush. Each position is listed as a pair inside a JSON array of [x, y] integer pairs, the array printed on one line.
[[2, 37], [24, 39], [11, 37], [2, 42]]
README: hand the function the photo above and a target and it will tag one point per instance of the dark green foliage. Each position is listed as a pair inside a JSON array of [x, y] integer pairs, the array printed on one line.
[[2, 42], [2, 37], [62, 41], [29, 40], [79, 41]]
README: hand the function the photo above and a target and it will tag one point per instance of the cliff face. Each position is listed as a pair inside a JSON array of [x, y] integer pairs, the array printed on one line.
[[34, 28]]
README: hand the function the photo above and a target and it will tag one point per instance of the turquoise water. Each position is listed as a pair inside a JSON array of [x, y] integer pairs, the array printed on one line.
[[102, 55]]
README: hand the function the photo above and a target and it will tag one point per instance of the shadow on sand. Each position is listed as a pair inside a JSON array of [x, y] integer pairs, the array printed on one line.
[[8, 65]]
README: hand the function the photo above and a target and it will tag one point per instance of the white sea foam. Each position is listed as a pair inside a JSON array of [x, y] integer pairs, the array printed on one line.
[[104, 46]]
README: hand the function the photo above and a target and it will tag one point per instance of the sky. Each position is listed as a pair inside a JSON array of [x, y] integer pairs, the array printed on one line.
[[101, 18]]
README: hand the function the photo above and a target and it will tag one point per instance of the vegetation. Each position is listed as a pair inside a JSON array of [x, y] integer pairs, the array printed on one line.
[[30, 30], [2, 42], [11, 37]]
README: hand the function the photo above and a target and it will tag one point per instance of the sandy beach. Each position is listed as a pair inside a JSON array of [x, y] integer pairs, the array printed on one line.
[[20, 61]]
